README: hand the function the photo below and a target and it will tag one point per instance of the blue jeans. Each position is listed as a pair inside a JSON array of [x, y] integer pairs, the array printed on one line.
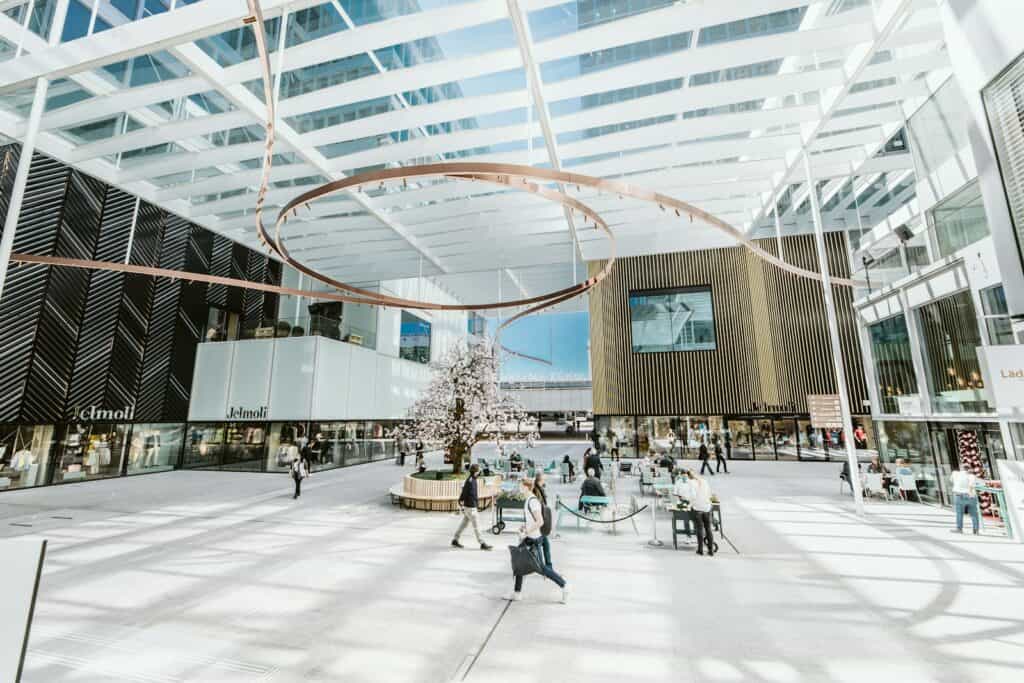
[[961, 501], [547, 570]]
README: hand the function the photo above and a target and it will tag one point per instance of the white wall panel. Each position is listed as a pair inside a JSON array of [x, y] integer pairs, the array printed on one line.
[[291, 384], [211, 379], [362, 384], [250, 375], [330, 388], [388, 330]]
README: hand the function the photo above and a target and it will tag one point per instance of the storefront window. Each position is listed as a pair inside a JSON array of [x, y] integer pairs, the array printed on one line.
[[694, 430], [785, 438], [907, 443], [959, 220], [660, 433], [244, 447], [894, 366], [91, 451], [997, 315], [414, 342], [284, 443], [154, 447], [949, 440], [616, 435], [205, 445], [738, 440], [25, 456], [949, 331]]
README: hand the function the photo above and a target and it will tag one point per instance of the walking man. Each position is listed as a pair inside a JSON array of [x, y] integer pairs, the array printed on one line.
[[720, 462], [469, 502], [703, 455]]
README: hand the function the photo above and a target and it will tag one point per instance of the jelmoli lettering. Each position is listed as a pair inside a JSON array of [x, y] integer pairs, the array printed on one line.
[[95, 414], [1017, 373], [240, 413]]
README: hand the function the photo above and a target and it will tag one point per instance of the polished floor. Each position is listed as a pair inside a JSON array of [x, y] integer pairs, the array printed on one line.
[[211, 576]]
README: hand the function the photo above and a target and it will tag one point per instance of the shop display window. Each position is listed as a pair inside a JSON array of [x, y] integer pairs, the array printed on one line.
[[205, 445], [739, 443], [245, 446], [906, 444], [285, 442], [616, 435], [25, 456], [154, 447], [91, 451]]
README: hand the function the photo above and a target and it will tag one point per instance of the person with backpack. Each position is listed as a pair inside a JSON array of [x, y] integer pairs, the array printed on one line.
[[469, 503], [299, 472], [533, 533]]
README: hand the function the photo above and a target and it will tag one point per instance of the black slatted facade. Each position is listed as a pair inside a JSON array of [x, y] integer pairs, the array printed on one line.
[[77, 338]]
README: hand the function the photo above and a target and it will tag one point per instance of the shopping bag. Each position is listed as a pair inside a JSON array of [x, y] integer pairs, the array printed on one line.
[[524, 559]]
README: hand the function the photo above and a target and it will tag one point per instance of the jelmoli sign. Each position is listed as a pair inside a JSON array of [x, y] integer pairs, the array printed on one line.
[[1004, 367], [97, 414], [243, 413]]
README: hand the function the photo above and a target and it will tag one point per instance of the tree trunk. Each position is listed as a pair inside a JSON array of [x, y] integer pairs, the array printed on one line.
[[457, 451]]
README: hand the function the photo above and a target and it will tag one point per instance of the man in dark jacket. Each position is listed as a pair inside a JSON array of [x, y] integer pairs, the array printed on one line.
[[469, 502], [591, 486], [592, 461]]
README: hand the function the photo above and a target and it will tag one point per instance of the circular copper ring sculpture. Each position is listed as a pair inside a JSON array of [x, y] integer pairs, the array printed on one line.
[[524, 178]]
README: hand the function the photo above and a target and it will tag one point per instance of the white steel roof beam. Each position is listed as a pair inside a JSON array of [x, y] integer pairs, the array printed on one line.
[[521, 25]]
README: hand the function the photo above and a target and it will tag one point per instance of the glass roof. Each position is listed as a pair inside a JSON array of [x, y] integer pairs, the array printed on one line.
[[703, 100]]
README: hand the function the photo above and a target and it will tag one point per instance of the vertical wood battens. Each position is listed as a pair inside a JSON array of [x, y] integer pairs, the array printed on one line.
[[772, 341]]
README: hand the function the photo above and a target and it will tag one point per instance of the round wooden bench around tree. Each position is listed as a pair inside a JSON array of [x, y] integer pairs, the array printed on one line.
[[439, 495]]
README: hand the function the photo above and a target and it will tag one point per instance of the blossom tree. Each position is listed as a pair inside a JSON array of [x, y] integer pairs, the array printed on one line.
[[463, 403]]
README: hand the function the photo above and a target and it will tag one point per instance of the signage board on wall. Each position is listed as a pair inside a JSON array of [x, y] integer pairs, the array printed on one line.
[[826, 411], [1011, 474], [1004, 369]]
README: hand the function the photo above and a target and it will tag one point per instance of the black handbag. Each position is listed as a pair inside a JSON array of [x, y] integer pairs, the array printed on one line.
[[524, 559]]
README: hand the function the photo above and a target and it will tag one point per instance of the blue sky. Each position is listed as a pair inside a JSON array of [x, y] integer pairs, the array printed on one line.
[[560, 338]]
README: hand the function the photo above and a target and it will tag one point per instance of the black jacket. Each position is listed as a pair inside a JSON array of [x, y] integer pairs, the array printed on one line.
[[593, 461], [592, 487], [469, 498]]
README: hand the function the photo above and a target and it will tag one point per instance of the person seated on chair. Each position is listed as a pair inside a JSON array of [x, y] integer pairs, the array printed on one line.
[[591, 487], [572, 467], [592, 461], [878, 467], [667, 462], [516, 461]]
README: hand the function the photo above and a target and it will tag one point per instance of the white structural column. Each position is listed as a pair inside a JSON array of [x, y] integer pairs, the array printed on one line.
[[28, 148], [833, 338]]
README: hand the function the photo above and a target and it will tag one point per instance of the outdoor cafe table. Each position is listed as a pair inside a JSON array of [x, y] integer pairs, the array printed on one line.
[[686, 515]]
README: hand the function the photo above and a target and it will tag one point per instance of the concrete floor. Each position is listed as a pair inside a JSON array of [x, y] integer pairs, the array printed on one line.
[[208, 576]]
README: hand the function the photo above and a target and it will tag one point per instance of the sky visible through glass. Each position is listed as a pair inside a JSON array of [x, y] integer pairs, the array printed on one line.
[[562, 339]]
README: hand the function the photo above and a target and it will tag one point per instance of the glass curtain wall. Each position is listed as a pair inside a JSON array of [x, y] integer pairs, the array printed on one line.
[[894, 365], [950, 337], [959, 220], [996, 315], [616, 435]]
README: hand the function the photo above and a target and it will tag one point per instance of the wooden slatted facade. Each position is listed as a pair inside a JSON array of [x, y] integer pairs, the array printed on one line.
[[772, 337]]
